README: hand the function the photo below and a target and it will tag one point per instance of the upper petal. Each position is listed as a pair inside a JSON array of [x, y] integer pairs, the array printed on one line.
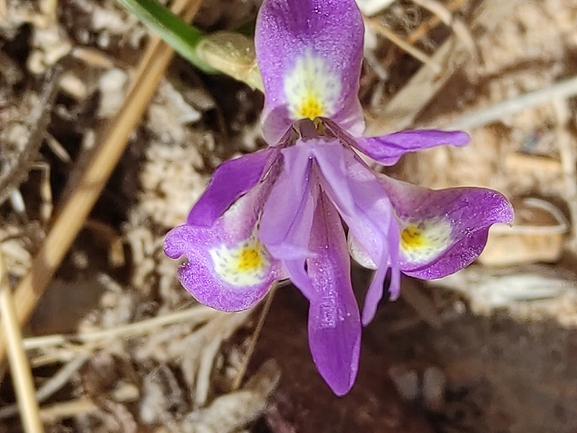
[[309, 54], [230, 180], [228, 268], [388, 149], [444, 230]]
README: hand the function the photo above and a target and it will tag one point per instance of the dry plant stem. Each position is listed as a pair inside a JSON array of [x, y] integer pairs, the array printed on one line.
[[51, 385], [261, 319], [57, 149], [76, 209], [62, 376], [432, 23], [93, 57], [21, 372], [406, 104], [566, 143], [458, 26], [494, 113], [68, 409], [196, 314], [390, 35], [219, 330], [82, 406]]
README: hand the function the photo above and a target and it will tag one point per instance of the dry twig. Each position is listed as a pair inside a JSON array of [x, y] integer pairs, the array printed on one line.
[[21, 372]]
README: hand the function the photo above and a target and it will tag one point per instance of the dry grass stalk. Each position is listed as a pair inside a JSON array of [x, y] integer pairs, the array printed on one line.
[[458, 26], [53, 384], [405, 106], [561, 90], [196, 314], [431, 23], [21, 372], [58, 411], [254, 338], [566, 143], [82, 406], [379, 28], [92, 57], [219, 330], [80, 202]]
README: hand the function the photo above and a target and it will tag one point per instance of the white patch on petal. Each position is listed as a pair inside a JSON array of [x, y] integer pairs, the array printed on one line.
[[312, 90], [245, 264], [423, 241]]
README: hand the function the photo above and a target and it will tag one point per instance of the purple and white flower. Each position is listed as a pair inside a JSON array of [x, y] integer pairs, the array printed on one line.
[[278, 213]]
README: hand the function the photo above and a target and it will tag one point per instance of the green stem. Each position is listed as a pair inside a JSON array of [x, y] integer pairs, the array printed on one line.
[[176, 33]]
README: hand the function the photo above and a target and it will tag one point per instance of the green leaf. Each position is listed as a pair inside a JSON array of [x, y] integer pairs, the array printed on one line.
[[176, 33]]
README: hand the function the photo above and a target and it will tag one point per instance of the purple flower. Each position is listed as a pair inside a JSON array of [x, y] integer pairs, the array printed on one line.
[[278, 213]]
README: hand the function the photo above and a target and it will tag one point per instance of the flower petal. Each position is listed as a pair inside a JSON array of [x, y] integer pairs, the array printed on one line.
[[309, 54], [366, 209], [230, 180], [228, 267], [443, 231], [288, 213], [334, 323], [356, 193], [388, 149]]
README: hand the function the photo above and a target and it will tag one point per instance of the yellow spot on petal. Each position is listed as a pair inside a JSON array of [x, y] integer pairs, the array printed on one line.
[[311, 108], [426, 240], [250, 259], [244, 264], [412, 237]]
